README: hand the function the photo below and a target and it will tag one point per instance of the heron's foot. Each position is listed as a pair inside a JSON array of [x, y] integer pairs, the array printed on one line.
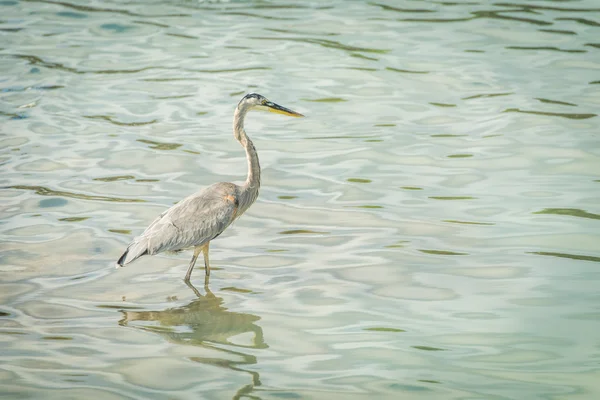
[[196, 291]]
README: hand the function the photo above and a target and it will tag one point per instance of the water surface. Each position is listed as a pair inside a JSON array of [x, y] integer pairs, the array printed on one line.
[[430, 231]]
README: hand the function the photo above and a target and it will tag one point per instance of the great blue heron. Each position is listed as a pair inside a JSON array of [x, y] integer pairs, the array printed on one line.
[[196, 220]]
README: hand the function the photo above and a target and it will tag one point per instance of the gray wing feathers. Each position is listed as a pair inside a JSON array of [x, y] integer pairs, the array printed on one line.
[[192, 222]]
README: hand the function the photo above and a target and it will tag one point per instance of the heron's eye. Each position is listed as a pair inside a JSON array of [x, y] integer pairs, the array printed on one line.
[[264, 102]]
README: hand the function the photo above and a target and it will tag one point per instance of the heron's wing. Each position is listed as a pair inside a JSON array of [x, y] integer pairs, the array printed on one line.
[[193, 221]]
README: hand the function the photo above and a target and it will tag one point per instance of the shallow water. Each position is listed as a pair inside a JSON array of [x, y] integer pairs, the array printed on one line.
[[430, 231]]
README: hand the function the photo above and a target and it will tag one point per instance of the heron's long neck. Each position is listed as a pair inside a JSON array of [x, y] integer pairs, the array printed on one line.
[[252, 184]]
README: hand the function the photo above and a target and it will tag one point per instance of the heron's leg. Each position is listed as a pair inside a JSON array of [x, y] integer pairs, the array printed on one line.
[[192, 263], [206, 264], [196, 292], [209, 294]]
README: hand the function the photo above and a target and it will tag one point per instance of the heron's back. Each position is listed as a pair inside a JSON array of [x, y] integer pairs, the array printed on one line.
[[192, 222]]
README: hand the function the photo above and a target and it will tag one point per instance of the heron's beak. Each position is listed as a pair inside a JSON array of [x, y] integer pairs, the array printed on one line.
[[276, 108]]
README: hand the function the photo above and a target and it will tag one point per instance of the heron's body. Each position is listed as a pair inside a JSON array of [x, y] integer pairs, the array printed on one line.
[[196, 220]]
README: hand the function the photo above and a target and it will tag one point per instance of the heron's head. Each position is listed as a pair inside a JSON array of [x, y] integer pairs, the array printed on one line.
[[255, 101]]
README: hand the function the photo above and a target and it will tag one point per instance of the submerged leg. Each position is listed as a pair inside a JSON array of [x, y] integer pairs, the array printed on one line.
[[192, 263], [209, 294], [196, 292], [206, 264]]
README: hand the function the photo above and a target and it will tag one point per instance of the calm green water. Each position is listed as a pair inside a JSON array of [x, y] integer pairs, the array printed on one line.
[[430, 231]]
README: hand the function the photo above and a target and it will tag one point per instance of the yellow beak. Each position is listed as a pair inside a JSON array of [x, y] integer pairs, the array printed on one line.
[[276, 108]]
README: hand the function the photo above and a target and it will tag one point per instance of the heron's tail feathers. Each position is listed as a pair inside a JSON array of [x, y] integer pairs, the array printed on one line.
[[134, 251]]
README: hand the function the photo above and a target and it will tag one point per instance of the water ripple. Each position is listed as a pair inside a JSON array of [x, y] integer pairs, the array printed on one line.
[[573, 212], [566, 255], [159, 145], [253, 15], [402, 10], [583, 21], [119, 123], [479, 96], [406, 71], [551, 8], [553, 114], [561, 103], [34, 60], [44, 191], [397, 228], [104, 10], [324, 43], [547, 48]]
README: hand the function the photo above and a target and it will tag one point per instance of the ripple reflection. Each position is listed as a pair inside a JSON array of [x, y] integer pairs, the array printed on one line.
[[206, 323]]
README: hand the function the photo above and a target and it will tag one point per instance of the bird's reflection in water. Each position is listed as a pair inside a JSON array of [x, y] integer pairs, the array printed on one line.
[[206, 323]]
